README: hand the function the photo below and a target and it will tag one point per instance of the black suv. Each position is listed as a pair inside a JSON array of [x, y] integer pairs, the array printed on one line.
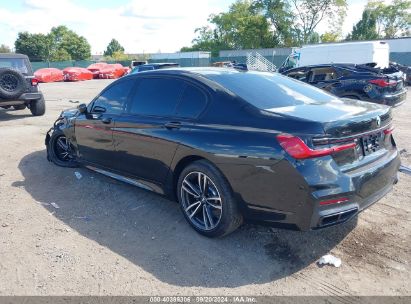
[[354, 81], [18, 86]]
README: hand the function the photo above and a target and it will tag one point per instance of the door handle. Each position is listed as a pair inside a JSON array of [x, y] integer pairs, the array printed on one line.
[[173, 125], [106, 120]]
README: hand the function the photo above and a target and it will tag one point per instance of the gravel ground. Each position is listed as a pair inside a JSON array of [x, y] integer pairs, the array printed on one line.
[[109, 238]]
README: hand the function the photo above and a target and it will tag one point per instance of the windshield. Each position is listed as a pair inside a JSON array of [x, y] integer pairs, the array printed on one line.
[[14, 63], [269, 90]]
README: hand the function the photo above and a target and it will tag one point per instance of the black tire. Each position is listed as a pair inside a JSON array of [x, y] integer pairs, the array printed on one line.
[[12, 83], [38, 107], [19, 107], [221, 216], [55, 154]]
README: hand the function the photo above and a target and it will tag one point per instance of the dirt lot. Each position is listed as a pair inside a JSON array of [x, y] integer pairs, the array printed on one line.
[[109, 238]]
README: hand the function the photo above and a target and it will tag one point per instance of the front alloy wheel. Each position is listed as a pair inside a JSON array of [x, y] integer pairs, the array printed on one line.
[[60, 150], [201, 201]]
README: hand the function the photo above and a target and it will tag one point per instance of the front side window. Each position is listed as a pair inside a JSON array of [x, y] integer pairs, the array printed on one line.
[[157, 96], [114, 99]]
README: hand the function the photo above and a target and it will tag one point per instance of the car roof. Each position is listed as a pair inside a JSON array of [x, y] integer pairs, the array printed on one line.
[[159, 63], [13, 55], [194, 71]]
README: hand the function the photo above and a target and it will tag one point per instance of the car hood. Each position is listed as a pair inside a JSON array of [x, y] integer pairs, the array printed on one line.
[[68, 113], [341, 116]]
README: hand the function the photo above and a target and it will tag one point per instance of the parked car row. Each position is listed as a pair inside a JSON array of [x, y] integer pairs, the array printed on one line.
[[353, 81], [93, 71]]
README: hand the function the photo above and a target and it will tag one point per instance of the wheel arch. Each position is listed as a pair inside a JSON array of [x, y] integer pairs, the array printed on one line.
[[180, 165]]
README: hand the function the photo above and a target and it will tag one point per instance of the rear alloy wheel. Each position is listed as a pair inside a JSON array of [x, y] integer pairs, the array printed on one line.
[[201, 201], [206, 200], [61, 151]]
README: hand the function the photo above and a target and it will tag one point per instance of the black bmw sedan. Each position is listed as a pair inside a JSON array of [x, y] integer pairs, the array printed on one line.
[[232, 146]]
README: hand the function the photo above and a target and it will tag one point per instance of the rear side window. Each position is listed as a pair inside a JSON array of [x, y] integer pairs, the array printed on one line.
[[192, 102], [115, 97], [269, 90], [157, 96]]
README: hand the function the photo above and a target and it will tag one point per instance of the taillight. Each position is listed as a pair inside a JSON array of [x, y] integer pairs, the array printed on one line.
[[34, 82], [389, 131], [297, 148], [383, 82], [334, 201]]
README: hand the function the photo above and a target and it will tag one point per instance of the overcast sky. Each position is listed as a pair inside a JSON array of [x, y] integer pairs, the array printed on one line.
[[139, 25]]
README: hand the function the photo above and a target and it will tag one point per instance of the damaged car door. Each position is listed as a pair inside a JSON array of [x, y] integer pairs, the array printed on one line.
[[94, 129]]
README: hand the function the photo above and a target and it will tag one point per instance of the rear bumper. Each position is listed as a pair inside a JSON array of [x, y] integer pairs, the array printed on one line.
[[299, 207], [365, 187], [23, 99], [394, 100]]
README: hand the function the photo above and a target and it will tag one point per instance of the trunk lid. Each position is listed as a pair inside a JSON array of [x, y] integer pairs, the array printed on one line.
[[341, 117]]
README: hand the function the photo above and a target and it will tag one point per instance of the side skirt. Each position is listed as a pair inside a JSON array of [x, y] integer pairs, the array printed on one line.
[[122, 178]]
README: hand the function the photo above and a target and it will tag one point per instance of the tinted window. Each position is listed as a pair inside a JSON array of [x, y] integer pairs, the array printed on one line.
[[157, 96], [269, 90], [114, 98], [322, 74], [192, 102], [300, 74], [18, 64], [145, 68]]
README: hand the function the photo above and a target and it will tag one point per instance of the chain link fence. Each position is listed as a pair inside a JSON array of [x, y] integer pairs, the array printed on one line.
[[277, 60]]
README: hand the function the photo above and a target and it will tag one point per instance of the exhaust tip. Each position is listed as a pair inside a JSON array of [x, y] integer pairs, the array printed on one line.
[[337, 218]]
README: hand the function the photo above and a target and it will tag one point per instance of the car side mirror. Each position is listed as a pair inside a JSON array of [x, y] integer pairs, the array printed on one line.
[[82, 108]]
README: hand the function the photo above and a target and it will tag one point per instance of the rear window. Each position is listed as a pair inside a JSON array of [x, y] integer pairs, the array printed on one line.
[[18, 64], [267, 90]]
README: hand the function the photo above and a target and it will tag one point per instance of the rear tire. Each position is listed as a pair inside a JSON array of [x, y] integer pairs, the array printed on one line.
[[206, 200], [60, 150], [19, 107], [38, 107]]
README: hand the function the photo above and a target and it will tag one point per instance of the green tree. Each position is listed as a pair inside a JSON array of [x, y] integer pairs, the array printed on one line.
[[35, 46], [65, 41], [309, 13], [281, 20], [393, 20], [112, 47], [239, 28], [60, 44], [5, 49], [380, 20], [366, 28], [329, 37]]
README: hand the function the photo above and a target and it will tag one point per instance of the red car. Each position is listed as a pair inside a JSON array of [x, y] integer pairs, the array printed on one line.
[[49, 75], [77, 74], [95, 68], [112, 71]]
